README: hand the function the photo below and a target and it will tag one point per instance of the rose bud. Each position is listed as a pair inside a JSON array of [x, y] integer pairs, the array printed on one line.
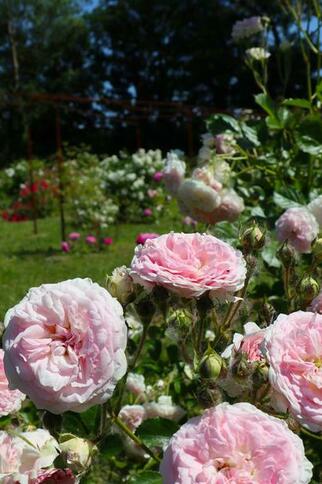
[[120, 285], [211, 365], [76, 452], [317, 249], [253, 239], [309, 288], [287, 255]]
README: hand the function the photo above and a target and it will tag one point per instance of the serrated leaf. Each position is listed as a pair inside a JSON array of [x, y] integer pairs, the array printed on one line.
[[146, 477], [219, 123], [269, 255], [267, 103], [257, 212], [309, 135], [284, 202], [250, 134], [297, 102], [156, 432]]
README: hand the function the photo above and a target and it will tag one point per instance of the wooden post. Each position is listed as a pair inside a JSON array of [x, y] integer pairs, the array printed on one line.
[[138, 136], [190, 135], [60, 171], [31, 180]]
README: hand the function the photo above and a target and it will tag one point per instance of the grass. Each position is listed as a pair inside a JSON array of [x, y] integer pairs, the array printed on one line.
[[28, 260]]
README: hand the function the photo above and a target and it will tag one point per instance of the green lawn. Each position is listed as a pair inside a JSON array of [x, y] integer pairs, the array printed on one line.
[[28, 260]]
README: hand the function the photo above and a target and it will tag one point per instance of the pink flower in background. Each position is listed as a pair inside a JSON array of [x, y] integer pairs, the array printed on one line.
[[158, 175], [293, 348], [65, 345], [91, 240], [144, 236], [299, 227], [235, 444], [189, 265], [152, 193], [231, 206], [225, 144], [189, 221], [65, 246], [10, 400], [51, 476], [74, 236], [316, 304], [147, 212], [107, 241]]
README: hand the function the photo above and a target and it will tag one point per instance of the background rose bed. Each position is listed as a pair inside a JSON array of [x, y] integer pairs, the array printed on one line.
[[207, 337]]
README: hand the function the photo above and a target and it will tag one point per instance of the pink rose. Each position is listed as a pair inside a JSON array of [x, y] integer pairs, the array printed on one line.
[[205, 175], [91, 240], [143, 237], [235, 444], [249, 343], [74, 236], [189, 265], [299, 227], [231, 206], [147, 212], [10, 400], [189, 221], [65, 246], [224, 144], [293, 350], [107, 241], [64, 345], [132, 416], [316, 304], [51, 476], [158, 175], [152, 193]]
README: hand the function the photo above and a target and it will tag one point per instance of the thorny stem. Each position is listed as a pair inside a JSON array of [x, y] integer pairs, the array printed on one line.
[[135, 438]]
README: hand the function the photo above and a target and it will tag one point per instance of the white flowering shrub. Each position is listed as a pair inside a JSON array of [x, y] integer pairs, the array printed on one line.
[[85, 192], [134, 182]]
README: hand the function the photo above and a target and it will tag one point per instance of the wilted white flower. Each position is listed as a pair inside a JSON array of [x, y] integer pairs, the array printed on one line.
[[173, 173], [258, 53], [164, 408], [120, 284], [135, 383], [247, 27]]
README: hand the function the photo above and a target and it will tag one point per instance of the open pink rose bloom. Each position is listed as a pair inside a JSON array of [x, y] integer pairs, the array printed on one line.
[[65, 345], [293, 347], [189, 265], [234, 444]]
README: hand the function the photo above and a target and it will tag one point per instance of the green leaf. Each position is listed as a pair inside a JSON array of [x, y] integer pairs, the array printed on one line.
[[297, 102], [319, 90], [220, 123], [111, 446], [309, 135], [267, 103], [284, 202], [146, 477], [269, 256], [156, 432], [250, 134]]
